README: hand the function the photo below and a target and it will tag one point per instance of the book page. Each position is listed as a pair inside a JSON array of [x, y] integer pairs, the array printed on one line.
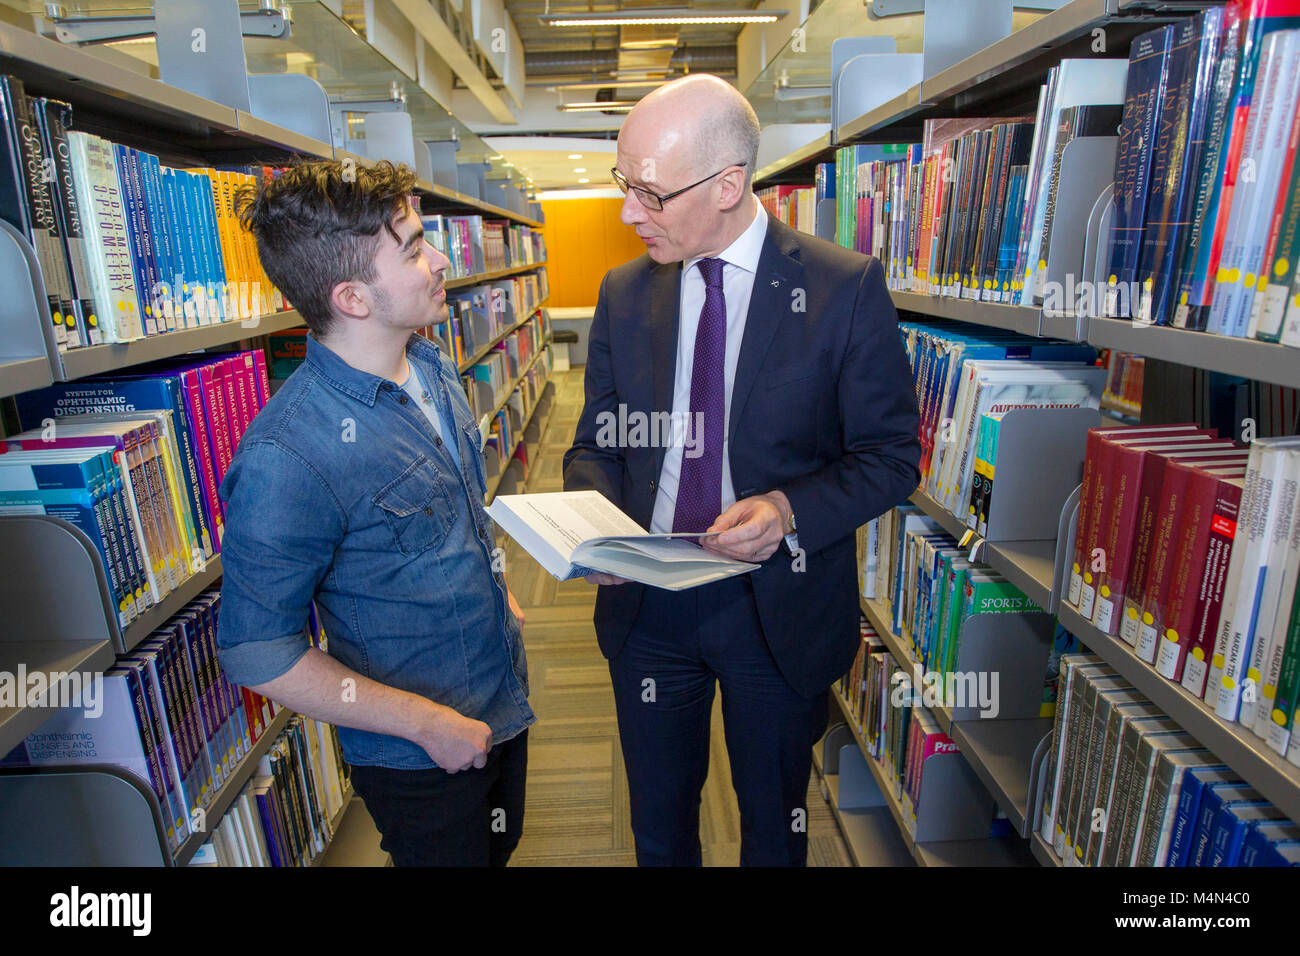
[[565, 519]]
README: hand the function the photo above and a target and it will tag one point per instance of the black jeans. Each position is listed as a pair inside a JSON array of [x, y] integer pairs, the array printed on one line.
[[435, 818]]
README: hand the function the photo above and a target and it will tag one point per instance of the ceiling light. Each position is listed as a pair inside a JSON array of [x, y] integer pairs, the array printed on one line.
[[612, 105], [612, 84], [664, 44], [581, 169], [575, 156], [581, 181], [660, 15]]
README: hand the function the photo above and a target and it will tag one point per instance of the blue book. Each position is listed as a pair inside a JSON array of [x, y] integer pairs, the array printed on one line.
[[1144, 90], [1213, 799], [1189, 806], [1266, 839], [1010, 234], [212, 244], [1231, 826], [1169, 147], [1195, 63], [210, 312], [151, 391], [153, 291], [161, 227], [142, 664], [187, 261], [139, 271]]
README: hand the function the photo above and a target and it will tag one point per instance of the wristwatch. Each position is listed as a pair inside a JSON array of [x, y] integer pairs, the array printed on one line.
[[791, 535]]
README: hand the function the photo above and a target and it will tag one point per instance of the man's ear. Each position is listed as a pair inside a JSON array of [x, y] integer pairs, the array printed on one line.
[[732, 187], [351, 300]]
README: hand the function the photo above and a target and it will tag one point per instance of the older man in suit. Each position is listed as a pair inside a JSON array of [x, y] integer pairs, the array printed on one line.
[[784, 350]]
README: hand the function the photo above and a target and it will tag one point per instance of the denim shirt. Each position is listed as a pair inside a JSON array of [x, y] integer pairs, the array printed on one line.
[[341, 492]]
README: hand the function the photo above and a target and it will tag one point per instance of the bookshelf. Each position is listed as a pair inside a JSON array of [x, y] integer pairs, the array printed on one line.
[[232, 785], [70, 624], [1001, 752], [497, 274], [500, 337], [1002, 80]]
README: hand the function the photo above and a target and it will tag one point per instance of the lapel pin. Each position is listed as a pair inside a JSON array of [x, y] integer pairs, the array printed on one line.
[[775, 283]]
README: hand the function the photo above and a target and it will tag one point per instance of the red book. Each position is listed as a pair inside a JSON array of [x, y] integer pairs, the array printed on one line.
[[1113, 491], [1089, 507], [1137, 479], [1173, 617], [1205, 626], [206, 460], [1173, 514], [214, 417], [230, 391], [262, 378]]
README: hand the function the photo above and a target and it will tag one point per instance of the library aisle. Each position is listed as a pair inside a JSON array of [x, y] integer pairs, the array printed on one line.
[[577, 804]]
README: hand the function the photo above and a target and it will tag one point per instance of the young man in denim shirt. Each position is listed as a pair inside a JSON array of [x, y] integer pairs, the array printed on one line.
[[360, 486]]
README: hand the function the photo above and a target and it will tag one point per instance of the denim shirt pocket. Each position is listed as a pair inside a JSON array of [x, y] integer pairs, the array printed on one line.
[[417, 507]]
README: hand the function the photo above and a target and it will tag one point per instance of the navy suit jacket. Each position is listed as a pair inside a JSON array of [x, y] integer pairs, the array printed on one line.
[[823, 408]]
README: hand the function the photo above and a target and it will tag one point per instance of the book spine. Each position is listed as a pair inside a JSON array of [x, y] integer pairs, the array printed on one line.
[[1171, 515], [1174, 618], [68, 210], [1214, 586]]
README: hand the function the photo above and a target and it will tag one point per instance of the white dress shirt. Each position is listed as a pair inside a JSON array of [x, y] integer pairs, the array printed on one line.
[[740, 263]]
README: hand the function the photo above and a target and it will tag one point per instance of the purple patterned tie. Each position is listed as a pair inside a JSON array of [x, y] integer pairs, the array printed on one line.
[[699, 489]]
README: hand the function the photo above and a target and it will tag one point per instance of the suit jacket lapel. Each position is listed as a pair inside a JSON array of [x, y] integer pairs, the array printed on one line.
[[665, 305], [778, 275]]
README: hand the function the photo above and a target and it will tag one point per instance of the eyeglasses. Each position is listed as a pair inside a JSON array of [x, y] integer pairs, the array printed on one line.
[[653, 201]]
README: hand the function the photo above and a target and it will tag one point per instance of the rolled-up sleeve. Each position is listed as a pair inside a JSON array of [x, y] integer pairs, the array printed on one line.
[[282, 527]]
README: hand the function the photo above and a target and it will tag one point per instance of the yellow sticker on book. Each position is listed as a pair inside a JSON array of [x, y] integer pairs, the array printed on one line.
[[1171, 636], [1218, 660], [1105, 591], [1147, 619], [1132, 613], [1279, 718], [1199, 653], [1281, 267], [1087, 577], [1228, 682], [1252, 674]]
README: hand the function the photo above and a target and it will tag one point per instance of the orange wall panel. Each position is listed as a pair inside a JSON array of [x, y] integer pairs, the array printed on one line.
[[584, 240]]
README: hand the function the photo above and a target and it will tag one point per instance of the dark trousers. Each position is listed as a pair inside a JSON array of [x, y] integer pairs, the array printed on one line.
[[681, 643], [435, 818]]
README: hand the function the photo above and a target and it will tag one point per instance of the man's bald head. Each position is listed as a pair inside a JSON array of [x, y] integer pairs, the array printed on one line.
[[705, 116]]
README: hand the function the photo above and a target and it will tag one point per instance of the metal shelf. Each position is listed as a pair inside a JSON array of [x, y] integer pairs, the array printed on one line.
[[1042, 852], [232, 786], [45, 657], [490, 276], [24, 374], [1001, 752], [1029, 565], [882, 117], [1249, 358], [796, 163], [1000, 851], [1014, 318], [1276, 779], [97, 359], [187, 591], [277, 136]]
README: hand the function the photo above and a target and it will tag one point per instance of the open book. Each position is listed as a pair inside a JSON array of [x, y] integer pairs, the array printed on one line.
[[576, 533]]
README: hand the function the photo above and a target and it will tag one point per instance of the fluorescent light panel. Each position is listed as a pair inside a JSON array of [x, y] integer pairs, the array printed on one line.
[[619, 105], [665, 15]]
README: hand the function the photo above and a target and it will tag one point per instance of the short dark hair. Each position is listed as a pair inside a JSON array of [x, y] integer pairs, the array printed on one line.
[[316, 225]]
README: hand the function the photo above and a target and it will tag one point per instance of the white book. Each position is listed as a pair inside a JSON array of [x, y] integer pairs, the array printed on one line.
[[576, 533], [1275, 610], [106, 238], [235, 837], [1237, 630], [1013, 385], [1256, 195]]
